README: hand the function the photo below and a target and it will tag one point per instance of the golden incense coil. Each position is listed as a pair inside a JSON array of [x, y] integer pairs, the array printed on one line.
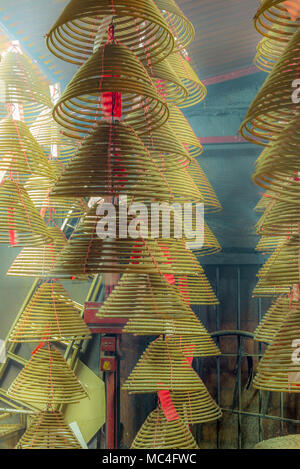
[[284, 270], [50, 315], [138, 24], [167, 83], [269, 243], [271, 112], [87, 253], [165, 148], [38, 261], [50, 137], [211, 201], [20, 222], [210, 243], [196, 90], [274, 318], [111, 69], [268, 53], [141, 325], [279, 368], [20, 154], [47, 379], [153, 307], [150, 295], [262, 290], [196, 290], [56, 208], [162, 367], [181, 27], [277, 19], [196, 407], [280, 158], [265, 268], [184, 132], [263, 202], [195, 345], [23, 88], [111, 161], [48, 430], [279, 219], [159, 433]]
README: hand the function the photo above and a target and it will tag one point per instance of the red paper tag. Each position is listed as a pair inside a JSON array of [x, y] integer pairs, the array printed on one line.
[[170, 278], [112, 104], [167, 405], [11, 233]]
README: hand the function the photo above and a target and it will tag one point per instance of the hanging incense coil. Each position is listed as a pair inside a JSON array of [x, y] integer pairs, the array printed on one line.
[[265, 268], [112, 161], [275, 19], [277, 371], [159, 433], [195, 345], [182, 260], [140, 325], [274, 318], [152, 306], [57, 208], [262, 290], [48, 430], [136, 23], [196, 90], [210, 243], [38, 261], [20, 222], [23, 87], [181, 27], [196, 290], [269, 243], [111, 69], [175, 372], [50, 315], [181, 185], [150, 294], [47, 378], [211, 201], [184, 132], [87, 253], [279, 159], [286, 189], [279, 219], [165, 149], [196, 407], [284, 269], [268, 53], [277, 166], [263, 202], [167, 83], [271, 112], [172, 223], [51, 138], [20, 154]]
